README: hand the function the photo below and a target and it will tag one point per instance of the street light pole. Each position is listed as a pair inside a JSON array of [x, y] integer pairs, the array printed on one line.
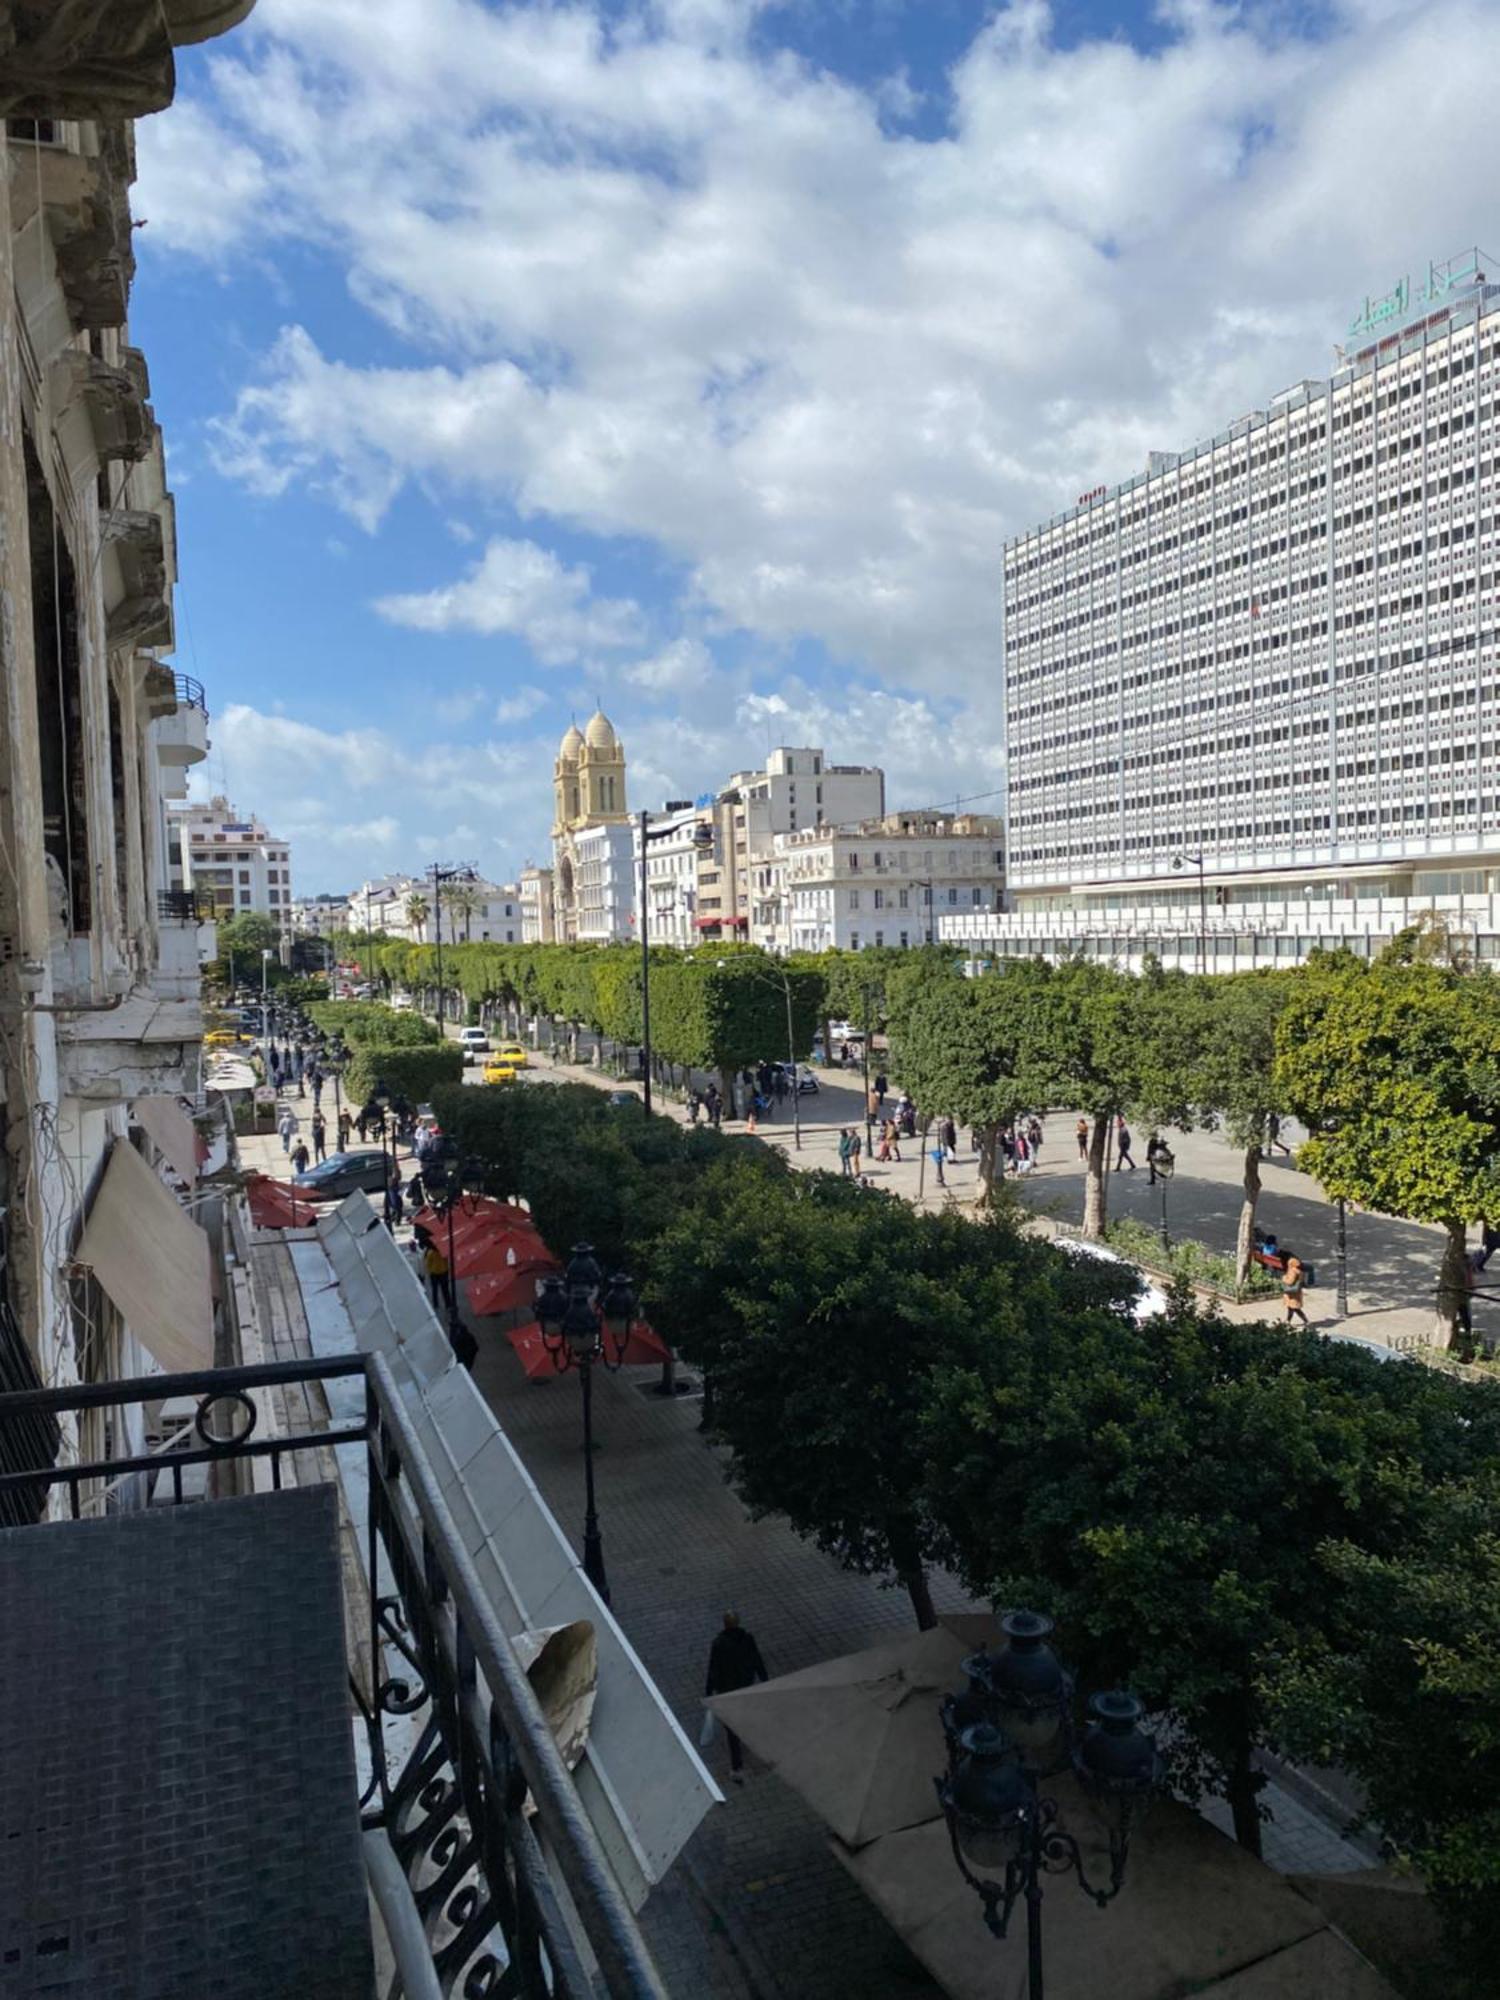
[[1341, 1299], [645, 974], [866, 992], [1182, 861], [578, 1327]]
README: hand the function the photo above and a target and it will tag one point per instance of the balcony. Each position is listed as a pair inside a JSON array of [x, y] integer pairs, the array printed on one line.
[[311, 1754], [78, 59], [181, 737], [85, 206]]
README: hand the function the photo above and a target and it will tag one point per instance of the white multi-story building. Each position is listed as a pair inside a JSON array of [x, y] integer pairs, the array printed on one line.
[[676, 837], [890, 881], [322, 916], [603, 875], [1252, 696], [472, 910], [535, 893], [237, 862]]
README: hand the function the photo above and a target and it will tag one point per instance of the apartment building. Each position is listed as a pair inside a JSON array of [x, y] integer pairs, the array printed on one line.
[[1252, 695], [233, 861], [464, 909], [890, 881], [535, 895], [601, 908], [675, 840]]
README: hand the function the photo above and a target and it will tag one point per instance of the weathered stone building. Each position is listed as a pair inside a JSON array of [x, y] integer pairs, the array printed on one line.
[[100, 1016]]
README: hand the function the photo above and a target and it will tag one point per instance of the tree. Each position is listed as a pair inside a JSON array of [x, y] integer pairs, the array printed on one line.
[[1164, 1491], [416, 912], [1400, 1691], [959, 1046], [1395, 1069], [1235, 1076], [463, 903]]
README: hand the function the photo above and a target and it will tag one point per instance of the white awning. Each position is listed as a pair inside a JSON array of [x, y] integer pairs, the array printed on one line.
[[153, 1260], [171, 1132]]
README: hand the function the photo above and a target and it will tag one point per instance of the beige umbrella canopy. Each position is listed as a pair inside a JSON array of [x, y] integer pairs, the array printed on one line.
[[859, 1737]]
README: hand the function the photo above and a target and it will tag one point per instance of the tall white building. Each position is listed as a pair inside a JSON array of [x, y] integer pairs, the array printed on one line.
[[237, 862], [535, 891], [1272, 656], [890, 881], [603, 877], [676, 837]]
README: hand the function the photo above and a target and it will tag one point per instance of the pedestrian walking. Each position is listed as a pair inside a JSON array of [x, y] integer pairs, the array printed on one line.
[[346, 1127], [734, 1662], [1155, 1147], [779, 1082], [713, 1103], [362, 1122], [1274, 1138], [881, 1087], [872, 1105], [317, 1084], [694, 1106], [936, 1157], [856, 1148], [1081, 1134], [439, 1277], [1122, 1142], [950, 1139], [906, 1115], [1293, 1277], [1034, 1138], [287, 1127], [895, 1138], [393, 1210], [319, 1136], [299, 1157], [883, 1150]]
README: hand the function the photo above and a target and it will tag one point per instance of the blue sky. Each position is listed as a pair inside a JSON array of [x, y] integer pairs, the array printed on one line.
[[698, 356]]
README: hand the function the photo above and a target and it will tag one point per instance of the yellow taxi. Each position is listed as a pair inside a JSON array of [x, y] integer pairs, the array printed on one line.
[[512, 1053], [496, 1070], [225, 1038]]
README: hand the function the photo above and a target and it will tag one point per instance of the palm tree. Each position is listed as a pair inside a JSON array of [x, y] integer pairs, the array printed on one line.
[[416, 912], [463, 900]]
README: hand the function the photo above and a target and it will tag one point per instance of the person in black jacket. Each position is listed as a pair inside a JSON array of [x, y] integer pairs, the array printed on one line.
[[734, 1661]]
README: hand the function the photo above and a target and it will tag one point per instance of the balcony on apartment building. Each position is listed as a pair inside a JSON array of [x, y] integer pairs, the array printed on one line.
[[181, 733], [255, 1744]]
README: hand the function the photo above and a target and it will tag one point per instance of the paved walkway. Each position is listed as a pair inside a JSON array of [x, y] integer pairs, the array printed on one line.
[[758, 1906], [1393, 1266]]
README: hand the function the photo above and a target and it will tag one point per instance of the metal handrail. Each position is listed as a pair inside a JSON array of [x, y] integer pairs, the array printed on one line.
[[184, 905], [189, 692], [486, 1744]]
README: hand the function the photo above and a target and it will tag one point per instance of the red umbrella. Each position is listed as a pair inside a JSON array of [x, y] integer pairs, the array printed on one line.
[[643, 1346], [277, 1204], [509, 1289], [483, 1254]]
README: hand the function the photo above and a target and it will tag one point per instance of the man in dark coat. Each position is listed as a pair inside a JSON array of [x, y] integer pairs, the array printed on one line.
[[734, 1661]]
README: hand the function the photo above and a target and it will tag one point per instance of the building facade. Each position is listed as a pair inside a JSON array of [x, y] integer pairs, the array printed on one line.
[[603, 884], [1252, 696], [463, 910], [234, 862], [891, 881], [322, 916], [589, 797], [534, 891], [100, 961]]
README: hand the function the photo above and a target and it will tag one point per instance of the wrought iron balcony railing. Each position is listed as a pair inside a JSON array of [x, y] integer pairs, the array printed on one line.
[[486, 1911], [189, 692]]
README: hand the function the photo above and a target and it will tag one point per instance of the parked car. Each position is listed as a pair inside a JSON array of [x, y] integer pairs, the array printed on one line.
[[1153, 1299], [474, 1042], [619, 1097], [341, 1174]]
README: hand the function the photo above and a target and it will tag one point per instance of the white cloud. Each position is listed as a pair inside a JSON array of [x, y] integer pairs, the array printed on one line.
[[682, 665], [673, 287], [520, 705], [519, 588]]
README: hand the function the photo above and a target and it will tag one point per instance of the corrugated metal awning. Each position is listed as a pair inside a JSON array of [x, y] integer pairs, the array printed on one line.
[[154, 1262]]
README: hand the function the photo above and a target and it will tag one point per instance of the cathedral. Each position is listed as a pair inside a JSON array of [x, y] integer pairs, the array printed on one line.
[[591, 837]]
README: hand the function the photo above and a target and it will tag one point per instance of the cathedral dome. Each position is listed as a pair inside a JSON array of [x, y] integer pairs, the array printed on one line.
[[572, 743], [600, 734]]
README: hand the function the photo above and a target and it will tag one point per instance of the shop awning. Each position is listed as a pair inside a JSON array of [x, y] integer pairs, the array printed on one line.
[[171, 1132], [153, 1261]]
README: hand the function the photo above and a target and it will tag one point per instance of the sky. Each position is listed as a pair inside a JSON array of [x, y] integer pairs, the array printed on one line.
[[696, 358]]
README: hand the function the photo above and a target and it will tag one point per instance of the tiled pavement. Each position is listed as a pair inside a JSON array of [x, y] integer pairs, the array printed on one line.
[[757, 1906]]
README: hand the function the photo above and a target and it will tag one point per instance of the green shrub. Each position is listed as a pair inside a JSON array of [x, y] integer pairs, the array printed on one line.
[[369, 1022], [1186, 1259], [406, 1072]]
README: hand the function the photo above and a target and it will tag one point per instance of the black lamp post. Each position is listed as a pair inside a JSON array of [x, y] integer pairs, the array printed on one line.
[[584, 1321], [1165, 1165], [1012, 1728], [445, 1176], [334, 1062], [380, 1105], [1196, 861]]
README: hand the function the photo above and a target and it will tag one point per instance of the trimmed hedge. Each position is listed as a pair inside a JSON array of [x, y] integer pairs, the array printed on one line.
[[367, 1021], [409, 1072]]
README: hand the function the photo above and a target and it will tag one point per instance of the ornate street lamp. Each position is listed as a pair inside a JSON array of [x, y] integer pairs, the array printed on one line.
[[585, 1321], [380, 1106], [1012, 1727], [444, 1175]]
